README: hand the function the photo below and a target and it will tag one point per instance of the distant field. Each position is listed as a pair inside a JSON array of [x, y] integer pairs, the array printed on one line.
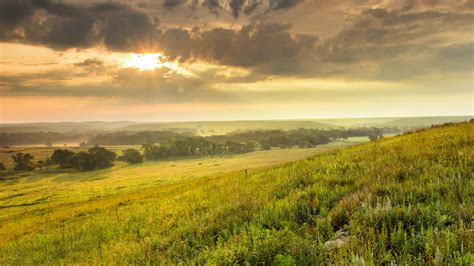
[[221, 127]]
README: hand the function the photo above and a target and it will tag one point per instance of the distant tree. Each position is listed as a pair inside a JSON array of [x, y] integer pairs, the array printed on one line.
[[155, 152], [48, 144], [372, 137], [2, 167], [266, 146], [132, 156], [83, 161], [62, 157], [103, 157], [82, 144], [40, 164], [23, 162]]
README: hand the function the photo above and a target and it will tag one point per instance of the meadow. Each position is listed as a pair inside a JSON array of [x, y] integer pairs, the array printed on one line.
[[405, 200]]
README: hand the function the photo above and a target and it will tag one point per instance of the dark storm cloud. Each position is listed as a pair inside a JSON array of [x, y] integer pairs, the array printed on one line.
[[251, 45], [14, 12], [252, 6], [119, 27], [213, 5], [173, 3], [63, 26], [236, 7], [282, 4]]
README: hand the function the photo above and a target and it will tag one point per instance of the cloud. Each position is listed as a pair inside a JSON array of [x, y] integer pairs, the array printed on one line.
[[374, 35], [236, 7], [63, 26], [250, 46], [212, 5], [399, 42], [252, 6], [161, 85], [276, 5], [172, 3]]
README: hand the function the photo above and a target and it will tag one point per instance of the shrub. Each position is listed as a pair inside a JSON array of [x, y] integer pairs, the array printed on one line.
[[23, 162], [62, 157], [103, 158], [83, 161], [132, 156]]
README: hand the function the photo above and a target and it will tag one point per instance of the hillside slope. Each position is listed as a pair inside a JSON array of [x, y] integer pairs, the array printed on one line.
[[406, 200]]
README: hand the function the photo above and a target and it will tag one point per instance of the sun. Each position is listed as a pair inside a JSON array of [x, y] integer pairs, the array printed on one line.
[[143, 62], [150, 62]]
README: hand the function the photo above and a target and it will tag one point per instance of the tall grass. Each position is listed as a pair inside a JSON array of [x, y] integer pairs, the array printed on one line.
[[404, 200]]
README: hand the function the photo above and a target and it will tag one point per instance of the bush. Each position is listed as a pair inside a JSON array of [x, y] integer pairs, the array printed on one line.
[[62, 157], [132, 156], [23, 162], [103, 158], [2, 167], [83, 161], [96, 158]]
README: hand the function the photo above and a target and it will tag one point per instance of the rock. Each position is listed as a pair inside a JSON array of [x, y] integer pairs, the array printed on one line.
[[341, 238]]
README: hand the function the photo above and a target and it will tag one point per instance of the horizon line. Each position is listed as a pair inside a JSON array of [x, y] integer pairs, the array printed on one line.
[[230, 120]]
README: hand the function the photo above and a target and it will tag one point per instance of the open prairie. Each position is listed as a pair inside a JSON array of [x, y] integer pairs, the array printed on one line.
[[236, 132], [50, 190], [406, 199]]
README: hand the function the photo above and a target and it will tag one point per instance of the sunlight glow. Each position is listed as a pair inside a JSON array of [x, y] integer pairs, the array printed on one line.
[[143, 62], [150, 62]]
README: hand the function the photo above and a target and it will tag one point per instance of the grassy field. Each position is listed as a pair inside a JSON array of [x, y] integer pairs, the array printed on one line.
[[404, 200], [50, 190], [42, 152]]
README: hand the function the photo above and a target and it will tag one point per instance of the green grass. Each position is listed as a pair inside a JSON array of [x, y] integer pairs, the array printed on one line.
[[405, 200], [45, 191]]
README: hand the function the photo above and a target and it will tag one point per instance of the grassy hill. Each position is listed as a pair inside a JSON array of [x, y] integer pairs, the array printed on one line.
[[405, 200], [402, 122]]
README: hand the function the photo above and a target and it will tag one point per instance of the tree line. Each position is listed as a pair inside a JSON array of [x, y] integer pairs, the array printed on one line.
[[302, 137], [195, 146], [164, 144], [95, 158], [282, 138]]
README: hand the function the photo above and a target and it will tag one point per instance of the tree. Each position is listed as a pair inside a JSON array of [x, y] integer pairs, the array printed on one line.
[[40, 164], [23, 162], [82, 144], [103, 157], [155, 152], [62, 157], [83, 161], [372, 137], [132, 156], [2, 167], [48, 144]]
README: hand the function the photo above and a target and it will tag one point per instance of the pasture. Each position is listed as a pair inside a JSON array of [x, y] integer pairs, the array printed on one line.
[[404, 200]]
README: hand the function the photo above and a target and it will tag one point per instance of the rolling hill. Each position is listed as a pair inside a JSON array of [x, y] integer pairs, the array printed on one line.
[[404, 200]]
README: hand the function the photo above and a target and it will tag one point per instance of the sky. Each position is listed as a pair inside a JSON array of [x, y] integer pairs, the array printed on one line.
[[185, 60]]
